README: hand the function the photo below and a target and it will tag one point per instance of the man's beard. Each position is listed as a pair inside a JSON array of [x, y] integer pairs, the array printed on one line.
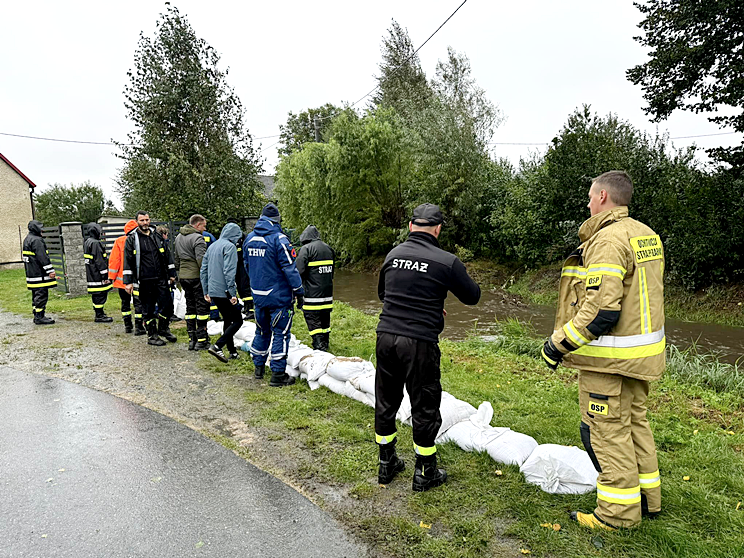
[[146, 228]]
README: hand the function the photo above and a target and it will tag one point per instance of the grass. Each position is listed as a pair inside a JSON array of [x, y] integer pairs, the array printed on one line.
[[696, 412], [16, 298]]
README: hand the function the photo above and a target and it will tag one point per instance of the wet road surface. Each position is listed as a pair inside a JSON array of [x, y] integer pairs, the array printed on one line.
[[86, 474]]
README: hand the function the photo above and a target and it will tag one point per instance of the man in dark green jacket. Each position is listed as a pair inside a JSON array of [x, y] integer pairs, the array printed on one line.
[[189, 250]]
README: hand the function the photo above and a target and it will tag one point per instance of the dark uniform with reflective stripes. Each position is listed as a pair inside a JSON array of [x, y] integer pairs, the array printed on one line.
[[315, 263], [96, 269], [243, 282], [189, 250], [38, 270], [414, 282]]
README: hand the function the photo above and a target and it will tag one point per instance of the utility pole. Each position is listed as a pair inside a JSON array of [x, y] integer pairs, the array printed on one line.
[[316, 124]]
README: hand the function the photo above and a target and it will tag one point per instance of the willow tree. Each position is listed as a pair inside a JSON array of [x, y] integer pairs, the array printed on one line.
[[190, 150]]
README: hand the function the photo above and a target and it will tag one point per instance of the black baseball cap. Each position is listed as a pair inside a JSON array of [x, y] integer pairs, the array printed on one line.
[[427, 215]]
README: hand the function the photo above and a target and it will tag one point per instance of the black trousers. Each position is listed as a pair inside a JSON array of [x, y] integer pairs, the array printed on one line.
[[196, 307], [39, 298], [318, 321], [126, 304], [403, 361], [99, 298], [232, 319], [155, 292]]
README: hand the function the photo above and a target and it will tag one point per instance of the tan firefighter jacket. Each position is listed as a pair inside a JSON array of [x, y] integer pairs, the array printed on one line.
[[611, 304]]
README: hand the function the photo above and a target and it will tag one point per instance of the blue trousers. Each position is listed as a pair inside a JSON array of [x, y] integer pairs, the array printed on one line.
[[273, 330]]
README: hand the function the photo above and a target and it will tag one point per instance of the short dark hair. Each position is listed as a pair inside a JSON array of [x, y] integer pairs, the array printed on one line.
[[196, 219], [618, 184], [136, 217]]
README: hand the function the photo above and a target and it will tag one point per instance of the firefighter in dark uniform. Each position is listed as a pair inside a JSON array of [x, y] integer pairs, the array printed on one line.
[[414, 281], [40, 274], [315, 264], [96, 272], [149, 268], [242, 281]]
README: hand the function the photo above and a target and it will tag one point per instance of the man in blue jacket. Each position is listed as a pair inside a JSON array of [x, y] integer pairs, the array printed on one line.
[[217, 275], [275, 284]]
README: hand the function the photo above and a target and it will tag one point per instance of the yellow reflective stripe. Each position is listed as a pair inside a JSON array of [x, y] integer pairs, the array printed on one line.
[[626, 496], [573, 271], [644, 302], [138, 316], [607, 269], [246, 299], [317, 307], [189, 317], [38, 309], [315, 331], [126, 313], [573, 333], [550, 360], [202, 317], [385, 439], [135, 293], [28, 253], [650, 480], [88, 256], [201, 339], [213, 308], [320, 262], [162, 250], [45, 284], [328, 330], [98, 306], [99, 289], [421, 450], [622, 353]]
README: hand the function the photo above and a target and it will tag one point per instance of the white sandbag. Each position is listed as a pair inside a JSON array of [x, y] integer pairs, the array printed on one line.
[[294, 372], [510, 448], [346, 368], [214, 328], [179, 304], [246, 332], [365, 382], [295, 355], [453, 411], [560, 469], [315, 364], [345, 389], [313, 385]]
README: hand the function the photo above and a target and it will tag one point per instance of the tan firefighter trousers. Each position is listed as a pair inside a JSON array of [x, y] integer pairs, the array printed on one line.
[[618, 438]]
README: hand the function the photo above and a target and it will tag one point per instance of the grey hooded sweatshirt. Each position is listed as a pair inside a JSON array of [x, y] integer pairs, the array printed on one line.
[[220, 264]]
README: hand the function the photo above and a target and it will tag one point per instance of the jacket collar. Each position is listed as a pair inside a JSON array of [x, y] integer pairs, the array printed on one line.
[[423, 236], [594, 224]]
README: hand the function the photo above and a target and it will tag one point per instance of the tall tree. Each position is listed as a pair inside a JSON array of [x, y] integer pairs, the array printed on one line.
[[300, 128], [85, 203], [190, 149], [402, 82], [695, 63]]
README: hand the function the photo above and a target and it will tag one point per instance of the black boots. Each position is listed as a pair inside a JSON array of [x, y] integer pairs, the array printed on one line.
[[164, 330], [139, 327], [280, 379], [152, 334], [41, 319], [427, 475], [101, 317], [321, 341], [259, 372], [201, 336], [191, 328], [390, 463], [128, 328]]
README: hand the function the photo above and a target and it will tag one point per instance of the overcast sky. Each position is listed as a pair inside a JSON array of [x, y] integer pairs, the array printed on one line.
[[65, 63]]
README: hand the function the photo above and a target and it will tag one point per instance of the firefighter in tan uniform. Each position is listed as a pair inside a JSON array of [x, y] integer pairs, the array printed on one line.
[[610, 326]]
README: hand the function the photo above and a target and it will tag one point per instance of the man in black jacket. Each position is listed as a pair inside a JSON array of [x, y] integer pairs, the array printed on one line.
[[414, 281], [96, 272], [315, 264], [149, 268], [242, 280], [40, 274]]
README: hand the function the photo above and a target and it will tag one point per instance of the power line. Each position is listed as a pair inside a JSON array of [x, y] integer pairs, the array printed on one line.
[[61, 140], [705, 135]]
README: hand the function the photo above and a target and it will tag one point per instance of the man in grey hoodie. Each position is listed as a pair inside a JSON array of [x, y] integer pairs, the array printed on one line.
[[218, 271], [189, 251]]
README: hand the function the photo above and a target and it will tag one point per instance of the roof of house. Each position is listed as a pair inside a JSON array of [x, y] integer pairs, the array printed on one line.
[[23, 176]]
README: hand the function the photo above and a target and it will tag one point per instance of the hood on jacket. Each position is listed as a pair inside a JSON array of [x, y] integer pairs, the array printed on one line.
[[94, 231], [309, 234], [35, 227], [130, 226], [232, 233], [188, 229], [265, 226]]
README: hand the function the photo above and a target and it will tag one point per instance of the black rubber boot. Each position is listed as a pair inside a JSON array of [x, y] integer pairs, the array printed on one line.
[[390, 463], [426, 475], [164, 330], [41, 319], [202, 338], [139, 327], [316, 341], [324, 341], [128, 328], [191, 328], [259, 372], [152, 335], [280, 379], [101, 317]]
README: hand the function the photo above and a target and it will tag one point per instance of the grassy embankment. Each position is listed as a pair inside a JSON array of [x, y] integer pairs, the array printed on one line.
[[696, 411]]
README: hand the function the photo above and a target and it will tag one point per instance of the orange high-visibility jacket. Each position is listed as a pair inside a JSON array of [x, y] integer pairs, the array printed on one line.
[[116, 258]]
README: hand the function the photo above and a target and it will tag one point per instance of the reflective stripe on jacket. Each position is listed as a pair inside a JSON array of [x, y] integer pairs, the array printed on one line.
[[611, 304], [315, 263], [36, 259], [96, 262]]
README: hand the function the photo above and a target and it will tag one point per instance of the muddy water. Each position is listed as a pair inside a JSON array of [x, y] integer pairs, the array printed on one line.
[[360, 290]]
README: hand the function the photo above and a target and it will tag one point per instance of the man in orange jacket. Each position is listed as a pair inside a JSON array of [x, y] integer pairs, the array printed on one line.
[[115, 273]]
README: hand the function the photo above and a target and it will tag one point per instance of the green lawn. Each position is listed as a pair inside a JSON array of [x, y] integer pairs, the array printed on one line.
[[697, 413]]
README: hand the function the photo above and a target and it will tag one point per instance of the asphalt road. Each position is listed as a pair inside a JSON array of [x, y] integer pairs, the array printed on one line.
[[86, 474]]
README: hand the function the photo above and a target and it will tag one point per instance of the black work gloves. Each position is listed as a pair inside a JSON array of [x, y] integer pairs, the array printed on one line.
[[551, 355], [300, 302]]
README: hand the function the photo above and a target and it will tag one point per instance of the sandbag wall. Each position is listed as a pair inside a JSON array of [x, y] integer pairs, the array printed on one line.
[[555, 469]]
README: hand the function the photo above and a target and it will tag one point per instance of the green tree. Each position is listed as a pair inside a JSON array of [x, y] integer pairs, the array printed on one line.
[[300, 128], [85, 203], [190, 150], [695, 64]]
